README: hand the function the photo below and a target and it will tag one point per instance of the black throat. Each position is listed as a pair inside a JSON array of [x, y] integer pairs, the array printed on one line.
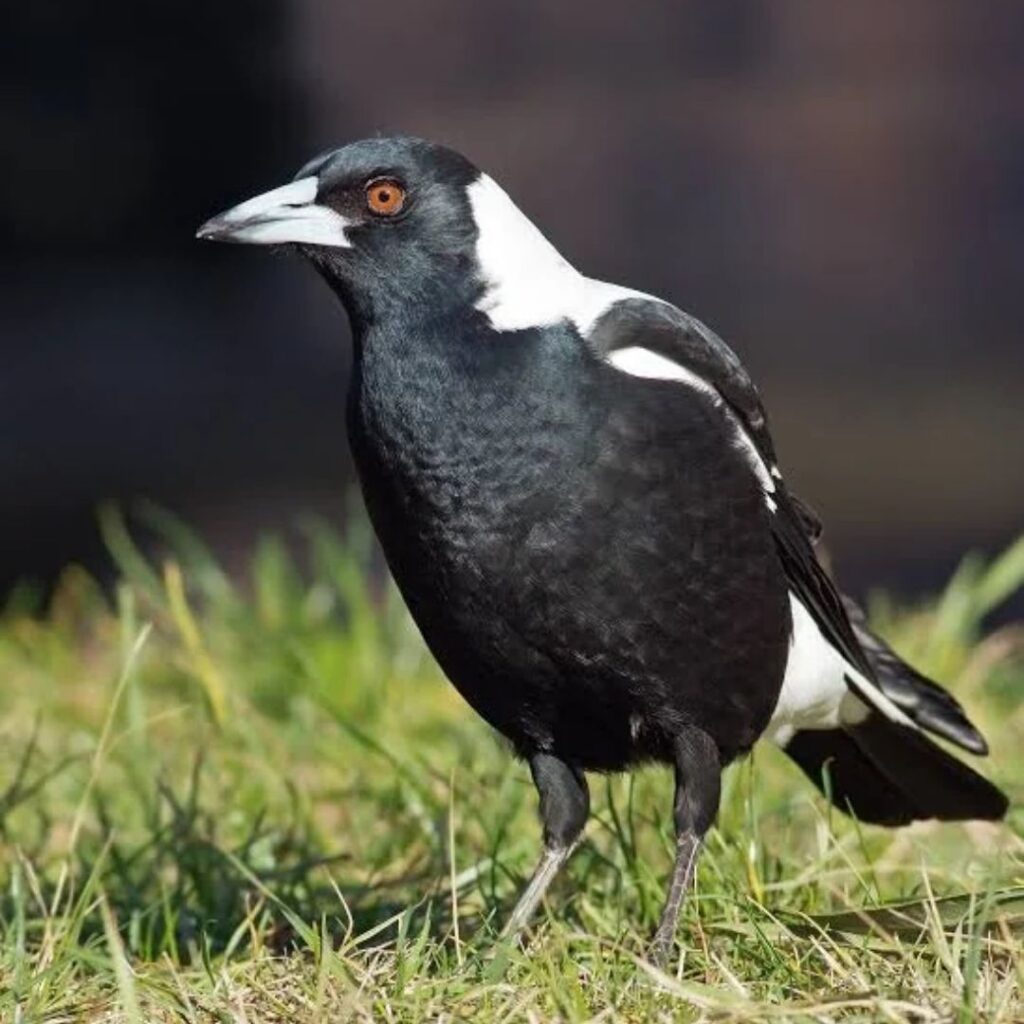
[[443, 402], [458, 431]]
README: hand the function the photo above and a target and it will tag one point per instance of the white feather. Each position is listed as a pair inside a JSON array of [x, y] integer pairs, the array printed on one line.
[[527, 281], [642, 362], [815, 693], [814, 687]]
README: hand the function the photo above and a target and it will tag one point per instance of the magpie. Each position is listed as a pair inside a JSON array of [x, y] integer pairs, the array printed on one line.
[[576, 490]]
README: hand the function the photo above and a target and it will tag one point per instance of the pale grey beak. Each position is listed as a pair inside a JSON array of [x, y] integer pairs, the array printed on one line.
[[286, 214]]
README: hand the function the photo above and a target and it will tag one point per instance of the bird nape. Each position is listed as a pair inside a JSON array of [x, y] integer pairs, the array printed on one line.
[[577, 493]]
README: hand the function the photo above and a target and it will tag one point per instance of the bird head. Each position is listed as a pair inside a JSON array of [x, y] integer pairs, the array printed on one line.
[[387, 221]]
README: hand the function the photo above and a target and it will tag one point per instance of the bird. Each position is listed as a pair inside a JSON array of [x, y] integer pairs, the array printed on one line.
[[576, 490]]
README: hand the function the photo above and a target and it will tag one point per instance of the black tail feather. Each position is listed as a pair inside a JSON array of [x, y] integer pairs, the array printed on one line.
[[925, 702], [891, 774]]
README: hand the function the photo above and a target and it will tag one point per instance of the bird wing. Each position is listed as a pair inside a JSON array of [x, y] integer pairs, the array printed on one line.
[[645, 336], [665, 330]]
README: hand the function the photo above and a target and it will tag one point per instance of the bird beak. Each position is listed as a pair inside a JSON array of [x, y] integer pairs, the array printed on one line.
[[286, 214]]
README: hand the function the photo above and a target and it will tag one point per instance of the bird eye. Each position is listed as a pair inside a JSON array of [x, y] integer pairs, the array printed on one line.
[[385, 197]]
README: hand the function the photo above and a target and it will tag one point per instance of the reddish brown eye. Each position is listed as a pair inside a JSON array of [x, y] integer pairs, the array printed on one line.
[[385, 197]]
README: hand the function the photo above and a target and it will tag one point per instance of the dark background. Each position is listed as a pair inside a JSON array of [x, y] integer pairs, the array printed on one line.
[[838, 189]]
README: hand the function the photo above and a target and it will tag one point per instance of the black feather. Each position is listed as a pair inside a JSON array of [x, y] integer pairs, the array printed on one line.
[[891, 774], [812, 585], [927, 703]]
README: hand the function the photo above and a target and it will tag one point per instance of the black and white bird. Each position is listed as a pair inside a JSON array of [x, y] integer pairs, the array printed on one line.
[[577, 493]]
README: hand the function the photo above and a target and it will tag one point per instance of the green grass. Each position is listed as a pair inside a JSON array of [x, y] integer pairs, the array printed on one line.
[[259, 801]]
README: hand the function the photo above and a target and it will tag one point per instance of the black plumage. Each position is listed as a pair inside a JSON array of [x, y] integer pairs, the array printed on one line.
[[542, 496], [577, 492]]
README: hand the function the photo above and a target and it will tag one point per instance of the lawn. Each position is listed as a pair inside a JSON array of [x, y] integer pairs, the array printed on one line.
[[257, 799]]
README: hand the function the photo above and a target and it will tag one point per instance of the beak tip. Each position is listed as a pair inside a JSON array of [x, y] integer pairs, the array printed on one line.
[[210, 231]]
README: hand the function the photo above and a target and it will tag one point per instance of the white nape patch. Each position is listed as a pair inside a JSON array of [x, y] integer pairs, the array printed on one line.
[[642, 362], [286, 214], [527, 281]]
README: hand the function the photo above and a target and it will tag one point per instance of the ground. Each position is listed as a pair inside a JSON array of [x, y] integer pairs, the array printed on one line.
[[258, 800]]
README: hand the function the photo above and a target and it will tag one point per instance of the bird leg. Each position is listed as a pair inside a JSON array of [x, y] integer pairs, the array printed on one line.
[[564, 806], [698, 787], [688, 846]]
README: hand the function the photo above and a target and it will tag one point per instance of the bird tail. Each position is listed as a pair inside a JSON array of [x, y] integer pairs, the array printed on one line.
[[889, 773], [921, 700], [924, 702]]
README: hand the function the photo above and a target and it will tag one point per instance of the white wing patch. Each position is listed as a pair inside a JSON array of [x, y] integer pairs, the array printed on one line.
[[642, 362]]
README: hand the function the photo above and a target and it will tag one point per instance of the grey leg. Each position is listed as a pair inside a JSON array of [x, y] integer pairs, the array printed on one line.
[[687, 850], [698, 787], [564, 806]]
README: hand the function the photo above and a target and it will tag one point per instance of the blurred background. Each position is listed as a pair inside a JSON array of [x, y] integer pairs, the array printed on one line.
[[837, 189]]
